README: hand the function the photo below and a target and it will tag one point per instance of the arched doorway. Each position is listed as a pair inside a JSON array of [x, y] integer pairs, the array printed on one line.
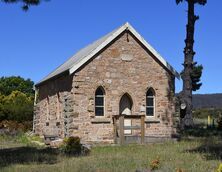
[[125, 108], [126, 104]]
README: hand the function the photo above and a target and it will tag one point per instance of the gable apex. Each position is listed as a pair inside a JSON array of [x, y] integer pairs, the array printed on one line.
[[116, 33], [85, 54]]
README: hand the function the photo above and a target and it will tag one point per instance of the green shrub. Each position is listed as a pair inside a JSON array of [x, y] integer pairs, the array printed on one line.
[[26, 139], [13, 126], [219, 122], [219, 168], [72, 146], [18, 107], [204, 113], [16, 99], [22, 138], [16, 83]]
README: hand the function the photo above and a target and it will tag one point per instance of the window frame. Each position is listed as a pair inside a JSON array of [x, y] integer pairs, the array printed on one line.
[[154, 103], [99, 106]]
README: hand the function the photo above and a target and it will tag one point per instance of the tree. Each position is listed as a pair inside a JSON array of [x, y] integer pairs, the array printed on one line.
[[16, 83], [17, 107], [25, 3], [192, 72], [2, 114], [16, 99], [195, 77]]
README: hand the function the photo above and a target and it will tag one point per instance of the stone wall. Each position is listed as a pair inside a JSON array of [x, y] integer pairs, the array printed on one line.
[[124, 66], [53, 109]]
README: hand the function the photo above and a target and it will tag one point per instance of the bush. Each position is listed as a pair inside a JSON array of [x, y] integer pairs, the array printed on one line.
[[204, 113], [72, 146], [10, 127], [155, 164], [16, 83], [16, 99], [28, 138], [219, 168], [219, 122], [17, 106]]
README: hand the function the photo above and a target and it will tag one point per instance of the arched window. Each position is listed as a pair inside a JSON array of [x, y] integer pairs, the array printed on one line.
[[99, 101], [150, 102]]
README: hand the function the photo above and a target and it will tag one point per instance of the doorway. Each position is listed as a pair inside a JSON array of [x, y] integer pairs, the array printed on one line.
[[125, 108]]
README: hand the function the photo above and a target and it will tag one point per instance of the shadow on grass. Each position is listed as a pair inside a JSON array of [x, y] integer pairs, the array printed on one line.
[[211, 142], [202, 132], [210, 151], [26, 155]]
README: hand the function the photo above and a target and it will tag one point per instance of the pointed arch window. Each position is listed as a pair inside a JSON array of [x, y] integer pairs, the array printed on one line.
[[150, 102], [99, 101]]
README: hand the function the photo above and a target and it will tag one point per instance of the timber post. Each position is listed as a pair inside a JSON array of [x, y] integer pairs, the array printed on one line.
[[115, 130], [121, 128], [142, 129]]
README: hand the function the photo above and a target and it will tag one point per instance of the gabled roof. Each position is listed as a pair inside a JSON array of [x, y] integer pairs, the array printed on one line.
[[85, 54]]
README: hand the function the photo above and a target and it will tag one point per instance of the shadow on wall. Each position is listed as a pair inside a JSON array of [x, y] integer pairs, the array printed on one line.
[[170, 116], [166, 117], [63, 83], [171, 89]]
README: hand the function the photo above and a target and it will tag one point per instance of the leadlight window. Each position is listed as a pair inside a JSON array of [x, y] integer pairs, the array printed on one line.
[[99, 101], [150, 102]]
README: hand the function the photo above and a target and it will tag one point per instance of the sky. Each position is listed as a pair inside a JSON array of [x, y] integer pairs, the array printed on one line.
[[34, 43]]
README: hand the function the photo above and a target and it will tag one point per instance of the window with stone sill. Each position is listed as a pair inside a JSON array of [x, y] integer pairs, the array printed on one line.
[[150, 103], [99, 101]]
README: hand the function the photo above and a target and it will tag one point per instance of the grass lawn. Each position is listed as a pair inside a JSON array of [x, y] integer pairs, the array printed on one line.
[[190, 154]]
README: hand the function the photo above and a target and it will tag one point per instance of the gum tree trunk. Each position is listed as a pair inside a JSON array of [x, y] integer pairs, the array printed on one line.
[[186, 94]]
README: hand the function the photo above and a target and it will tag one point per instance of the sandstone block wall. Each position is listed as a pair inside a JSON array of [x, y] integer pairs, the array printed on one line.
[[124, 66], [53, 109]]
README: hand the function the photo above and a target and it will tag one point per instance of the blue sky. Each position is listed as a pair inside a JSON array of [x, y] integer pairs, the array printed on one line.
[[34, 43]]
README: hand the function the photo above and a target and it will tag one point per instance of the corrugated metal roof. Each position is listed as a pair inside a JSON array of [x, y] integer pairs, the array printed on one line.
[[73, 63], [76, 58]]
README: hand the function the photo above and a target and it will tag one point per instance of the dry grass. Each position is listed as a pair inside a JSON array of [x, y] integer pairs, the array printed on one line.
[[196, 154]]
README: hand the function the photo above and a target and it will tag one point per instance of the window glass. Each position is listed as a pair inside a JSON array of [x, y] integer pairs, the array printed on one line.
[[150, 102], [99, 102]]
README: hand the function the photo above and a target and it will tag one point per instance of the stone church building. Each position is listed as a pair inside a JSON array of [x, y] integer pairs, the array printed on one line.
[[119, 74]]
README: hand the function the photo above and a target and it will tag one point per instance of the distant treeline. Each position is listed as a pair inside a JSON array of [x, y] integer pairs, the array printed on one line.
[[207, 101]]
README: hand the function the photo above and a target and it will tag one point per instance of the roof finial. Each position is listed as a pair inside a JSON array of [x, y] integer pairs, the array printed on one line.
[[127, 24]]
